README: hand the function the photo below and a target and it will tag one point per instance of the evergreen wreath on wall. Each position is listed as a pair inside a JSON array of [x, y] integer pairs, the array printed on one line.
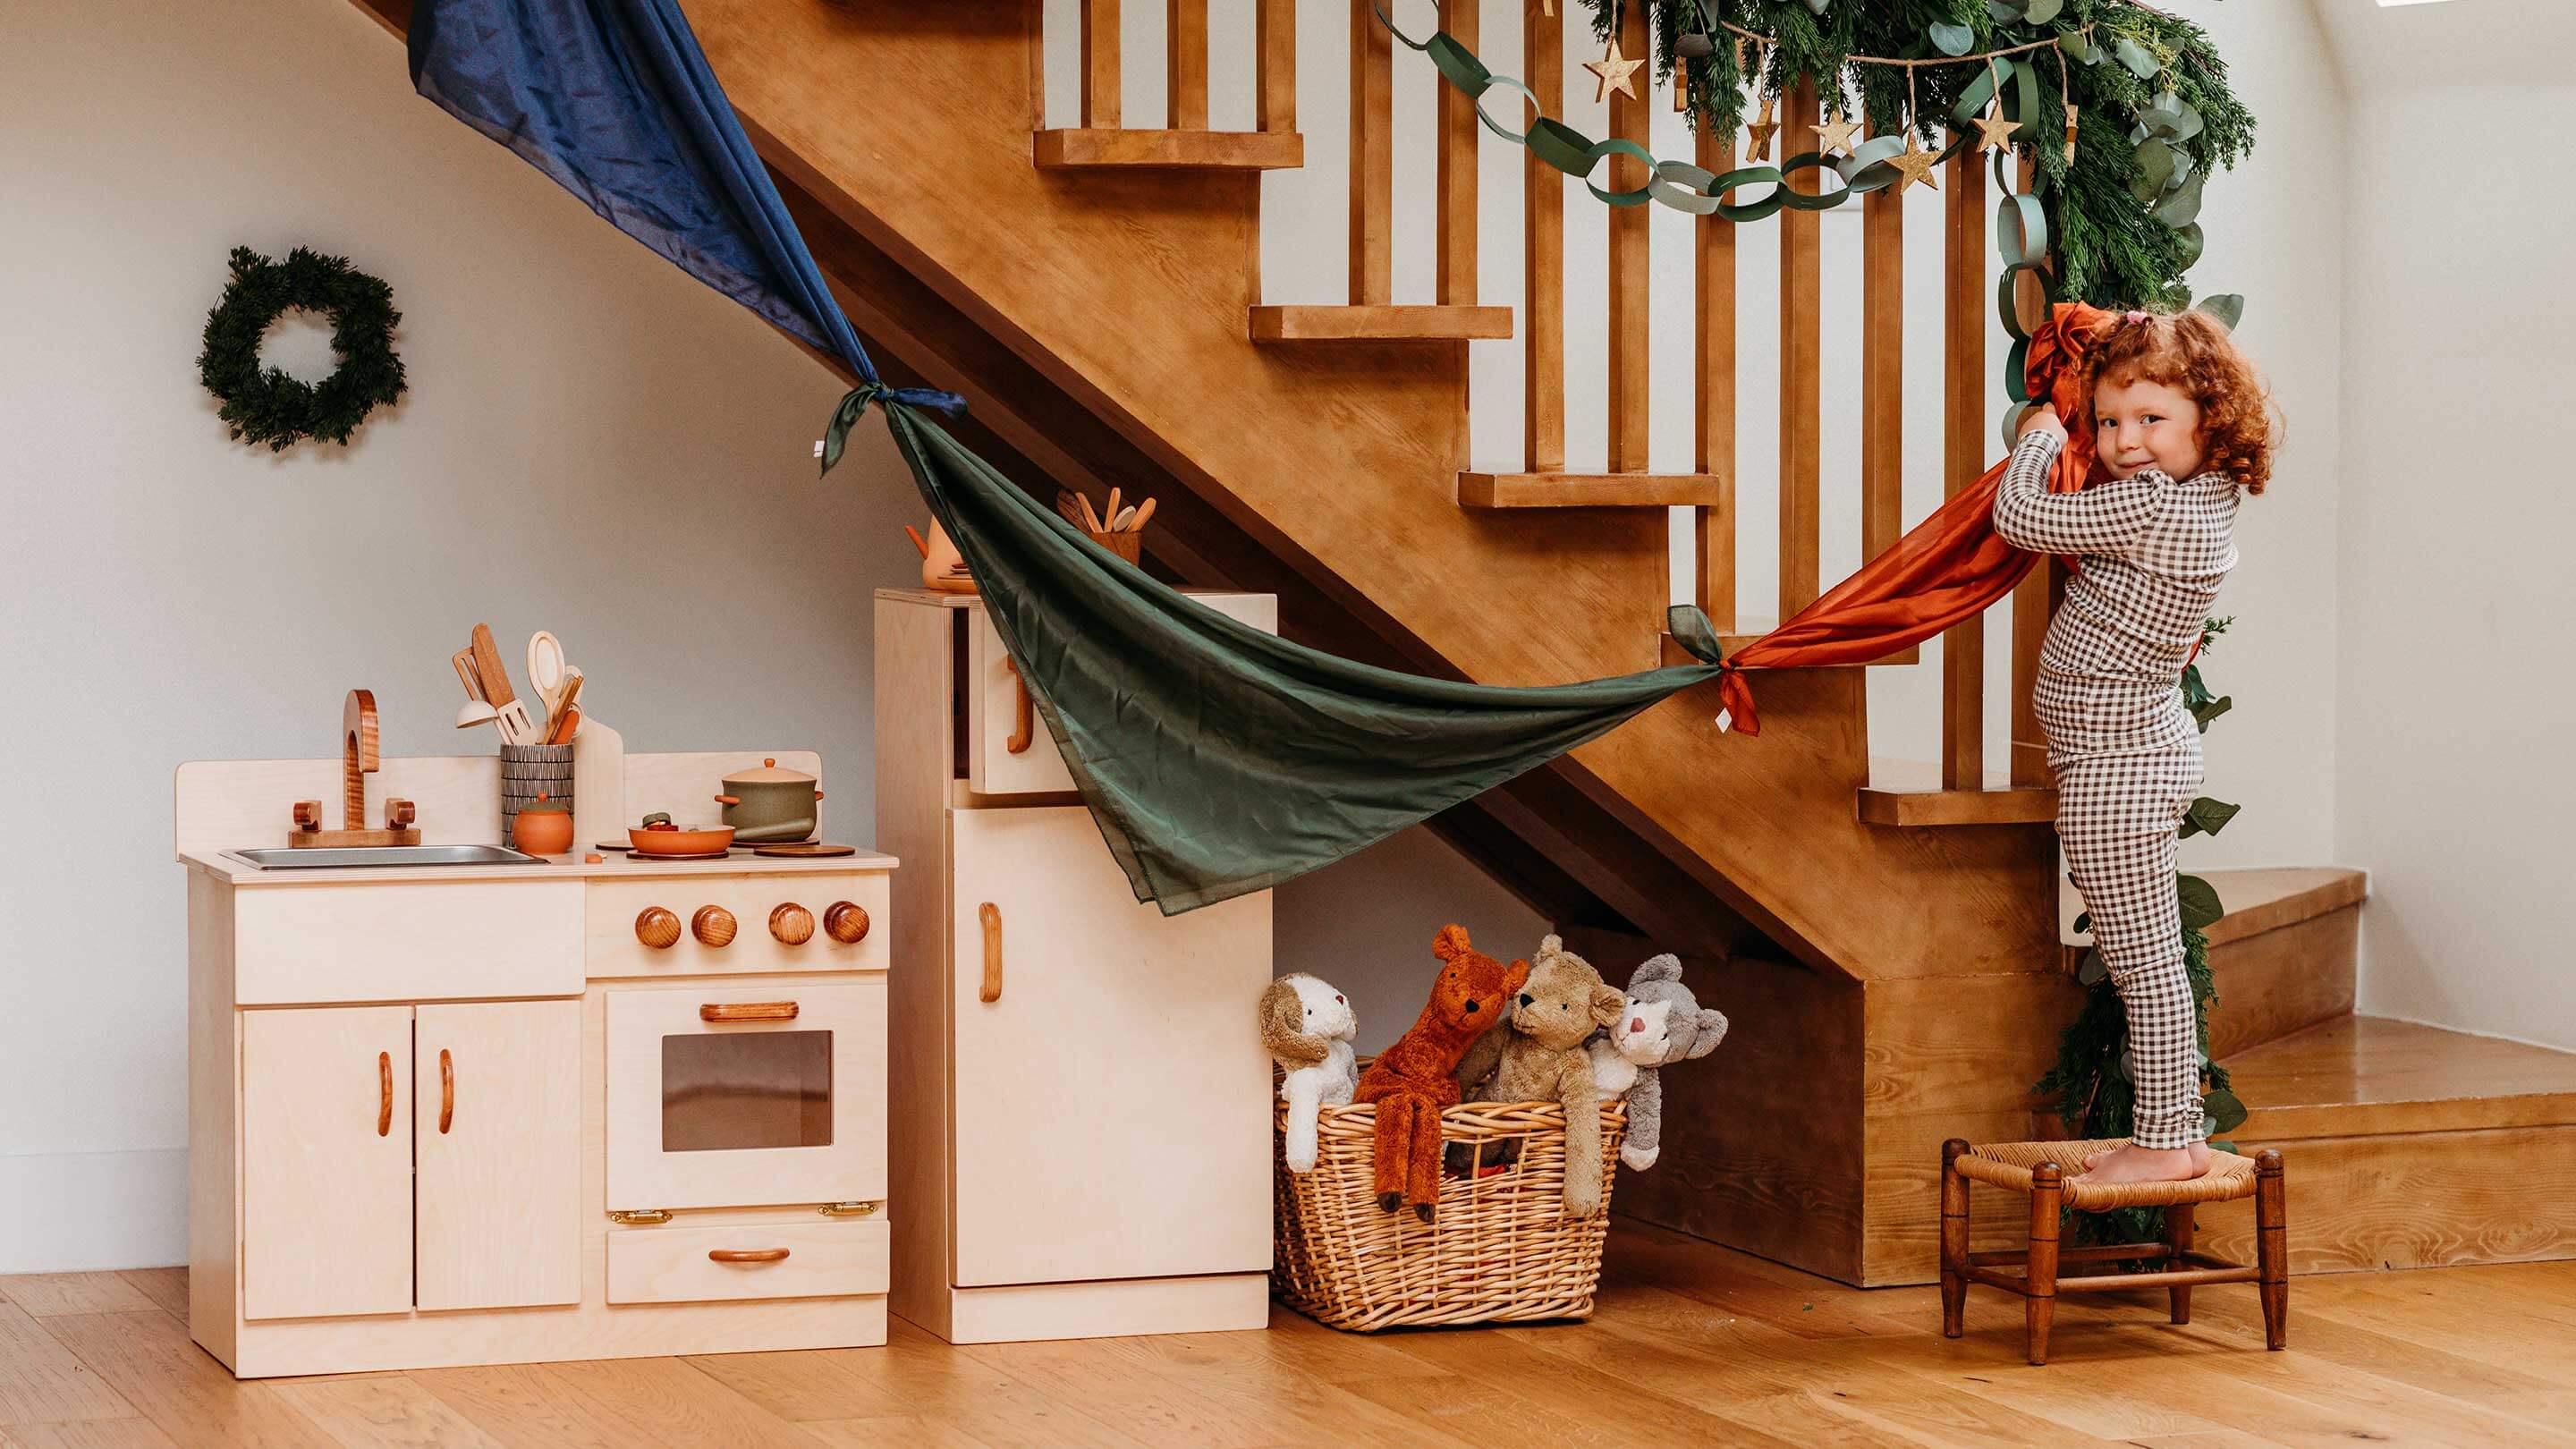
[[261, 404]]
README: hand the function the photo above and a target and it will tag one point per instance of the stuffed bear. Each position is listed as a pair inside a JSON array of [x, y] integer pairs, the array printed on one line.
[[1307, 1027], [1536, 1055], [1410, 1081], [1688, 1029]]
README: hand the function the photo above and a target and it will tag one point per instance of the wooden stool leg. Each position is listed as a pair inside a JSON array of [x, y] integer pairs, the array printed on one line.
[[2272, 1247], [2041, 1281], [2178, 1231], [1954, 1241]]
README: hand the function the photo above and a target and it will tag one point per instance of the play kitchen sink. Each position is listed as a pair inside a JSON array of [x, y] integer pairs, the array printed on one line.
[[345, 856]]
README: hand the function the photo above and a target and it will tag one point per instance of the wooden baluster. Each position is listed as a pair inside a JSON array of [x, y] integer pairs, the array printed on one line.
[[1100, 80], [1186, 60], [1801, 377], [1455, 242], [1543, 249], [1882, 367], [1372, 158], [1963, 440], [1275, 63], [1630, 118], [1713, 340], [2035, 598]]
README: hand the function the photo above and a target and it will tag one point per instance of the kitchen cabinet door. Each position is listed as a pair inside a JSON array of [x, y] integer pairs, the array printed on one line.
[[326, 1161], [1112, 1114], [498, 1126]]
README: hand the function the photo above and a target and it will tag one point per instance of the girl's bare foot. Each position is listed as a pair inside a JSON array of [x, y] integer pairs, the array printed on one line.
[[2133, 1163]]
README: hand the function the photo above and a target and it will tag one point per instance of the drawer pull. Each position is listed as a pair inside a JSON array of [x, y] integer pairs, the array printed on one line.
[[446, 1090], [846, 922], [384, 1094], [1023, 720], [747, 1011], [746, 1255], [992, 918]]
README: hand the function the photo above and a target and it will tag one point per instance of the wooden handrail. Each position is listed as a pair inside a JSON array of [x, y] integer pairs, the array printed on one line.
[[1713, 446], [1372, 158], [1801, 366], [1454, 239], [1543, 254], [1964, 300], [1630, 119], [1275, 64], [1101, 80], [1186, 64], [1882, 369]]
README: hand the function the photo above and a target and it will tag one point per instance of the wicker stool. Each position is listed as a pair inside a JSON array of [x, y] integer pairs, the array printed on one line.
[[2040, 1169]]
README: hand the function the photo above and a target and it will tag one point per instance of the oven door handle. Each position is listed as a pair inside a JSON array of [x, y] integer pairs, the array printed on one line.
[[747, 1011]]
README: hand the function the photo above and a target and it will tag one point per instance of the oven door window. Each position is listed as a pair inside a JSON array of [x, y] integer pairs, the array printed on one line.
[[728, 1091]]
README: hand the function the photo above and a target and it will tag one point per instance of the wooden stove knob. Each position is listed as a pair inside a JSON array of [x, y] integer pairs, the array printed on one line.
[[846, 922], [657, 928], [792, 924], [713, 926]]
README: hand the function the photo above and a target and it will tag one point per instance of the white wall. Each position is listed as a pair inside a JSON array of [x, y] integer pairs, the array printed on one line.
[[593, 443], [2453, 695]]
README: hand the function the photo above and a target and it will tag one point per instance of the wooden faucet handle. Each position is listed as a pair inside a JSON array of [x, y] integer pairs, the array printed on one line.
[[308, 815], [846, 922], [399, 814]]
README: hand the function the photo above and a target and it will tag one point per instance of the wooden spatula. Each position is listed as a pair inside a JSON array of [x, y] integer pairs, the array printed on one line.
[[516, 727]]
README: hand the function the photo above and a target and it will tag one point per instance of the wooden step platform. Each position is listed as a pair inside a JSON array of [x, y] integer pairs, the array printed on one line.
[[2285, 953], [1380, 324], [1591, 490], [2409, 1146], [1170, 150], [1909, 793]]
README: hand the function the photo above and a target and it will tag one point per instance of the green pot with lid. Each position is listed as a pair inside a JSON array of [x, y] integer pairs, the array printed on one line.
[[768, 805]]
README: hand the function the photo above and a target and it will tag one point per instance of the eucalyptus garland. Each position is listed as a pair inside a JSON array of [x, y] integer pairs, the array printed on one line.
[[263, 404], [2153, 112], [2092, 1080]]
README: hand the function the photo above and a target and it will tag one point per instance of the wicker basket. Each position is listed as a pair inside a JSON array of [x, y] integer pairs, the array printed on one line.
[[1499, 1249]]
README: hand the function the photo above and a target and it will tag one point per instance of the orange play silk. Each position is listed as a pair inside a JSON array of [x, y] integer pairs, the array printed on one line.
[[1951, 567]]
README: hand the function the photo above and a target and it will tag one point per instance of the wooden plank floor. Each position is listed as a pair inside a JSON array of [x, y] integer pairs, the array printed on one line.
[[1693, 1345]]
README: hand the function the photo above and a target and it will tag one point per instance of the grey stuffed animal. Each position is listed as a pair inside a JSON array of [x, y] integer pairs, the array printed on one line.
[[1688, 1030]]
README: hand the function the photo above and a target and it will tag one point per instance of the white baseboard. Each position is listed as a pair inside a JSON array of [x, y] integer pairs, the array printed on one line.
[[70, 1212]]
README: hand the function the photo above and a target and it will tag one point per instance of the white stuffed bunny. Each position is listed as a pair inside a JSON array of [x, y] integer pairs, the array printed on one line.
[[1307, 1027]]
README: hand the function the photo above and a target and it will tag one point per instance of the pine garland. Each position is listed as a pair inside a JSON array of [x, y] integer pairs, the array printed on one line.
[[2147, 88]]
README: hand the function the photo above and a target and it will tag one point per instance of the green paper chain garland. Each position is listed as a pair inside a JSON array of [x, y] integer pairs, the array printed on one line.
[[262, 404]]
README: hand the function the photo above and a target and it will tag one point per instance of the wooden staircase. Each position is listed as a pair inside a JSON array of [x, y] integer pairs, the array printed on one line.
[[1094, 293]]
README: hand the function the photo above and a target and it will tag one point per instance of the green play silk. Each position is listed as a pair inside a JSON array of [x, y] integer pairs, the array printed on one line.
[[1217, 758]]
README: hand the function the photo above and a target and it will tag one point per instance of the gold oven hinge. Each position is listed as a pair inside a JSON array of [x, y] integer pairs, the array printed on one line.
[[639, 1217], [847, 1209]]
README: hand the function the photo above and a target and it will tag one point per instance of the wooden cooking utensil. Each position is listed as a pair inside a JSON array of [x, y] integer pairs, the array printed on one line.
[[563, 706], [1142, 514], [516, 727], [547, 672], [566, 725], [1109, 513]]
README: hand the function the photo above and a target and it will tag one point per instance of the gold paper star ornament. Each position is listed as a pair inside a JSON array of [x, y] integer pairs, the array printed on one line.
[[1993, 130], [1915, 165], [1615, 72], [1836, 135]]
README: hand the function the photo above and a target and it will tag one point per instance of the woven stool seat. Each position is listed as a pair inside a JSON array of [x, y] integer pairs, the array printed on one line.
[[2043, 1172], [2008, 1165]]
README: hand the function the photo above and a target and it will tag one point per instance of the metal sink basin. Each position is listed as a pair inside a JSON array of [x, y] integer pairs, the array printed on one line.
[[319, 858]]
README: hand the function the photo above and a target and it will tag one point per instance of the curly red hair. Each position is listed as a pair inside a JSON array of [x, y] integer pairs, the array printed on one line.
[[2193, 353]]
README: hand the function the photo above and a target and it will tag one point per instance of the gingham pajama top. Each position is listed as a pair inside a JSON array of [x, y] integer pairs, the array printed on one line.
[[2125, 752]]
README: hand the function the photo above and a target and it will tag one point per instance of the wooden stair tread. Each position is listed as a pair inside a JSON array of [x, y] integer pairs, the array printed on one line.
[[2365, 1075], [1909, 793], [1674, 653], [2256, 900], [1591, 490], [1171, 150], [1380, 324]]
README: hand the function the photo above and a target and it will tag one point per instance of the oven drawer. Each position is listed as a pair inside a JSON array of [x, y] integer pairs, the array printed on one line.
[[754, 1260], [996, 719], [615, 928], [746, 1096]]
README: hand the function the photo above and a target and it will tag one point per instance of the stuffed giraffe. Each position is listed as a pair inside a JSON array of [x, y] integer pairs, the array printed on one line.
[[1411, 1081]]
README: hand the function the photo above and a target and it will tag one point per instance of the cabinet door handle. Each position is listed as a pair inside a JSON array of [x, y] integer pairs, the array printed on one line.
[[384, 1094], [746, 1255], [991, 915], [1023, 720], [747, 1011], [446, 1090]]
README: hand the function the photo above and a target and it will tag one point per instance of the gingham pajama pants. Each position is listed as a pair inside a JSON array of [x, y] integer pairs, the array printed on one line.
[[2124, 751]]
